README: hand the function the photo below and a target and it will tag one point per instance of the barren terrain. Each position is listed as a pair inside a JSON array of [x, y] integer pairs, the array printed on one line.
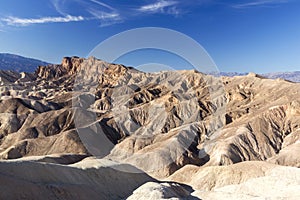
[[89, 129]]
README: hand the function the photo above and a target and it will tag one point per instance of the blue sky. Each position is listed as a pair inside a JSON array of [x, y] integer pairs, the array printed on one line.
[[242, 35]]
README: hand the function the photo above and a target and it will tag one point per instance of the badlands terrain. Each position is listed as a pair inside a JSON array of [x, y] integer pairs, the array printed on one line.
[[88, 129]]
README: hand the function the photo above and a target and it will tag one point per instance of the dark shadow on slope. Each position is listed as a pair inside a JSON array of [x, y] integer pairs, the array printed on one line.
[[33, 180], [182, 191]]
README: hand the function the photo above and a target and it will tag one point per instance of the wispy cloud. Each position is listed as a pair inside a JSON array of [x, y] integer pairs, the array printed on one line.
[[57, 6], [158, 6], [105, 18], [97, 10], [102, 4], [94, 10], [257, 3], [16, 21]]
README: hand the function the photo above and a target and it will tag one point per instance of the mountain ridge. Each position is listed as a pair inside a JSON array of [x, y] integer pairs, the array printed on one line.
[[19, 63], [24, 64], [293, 76]]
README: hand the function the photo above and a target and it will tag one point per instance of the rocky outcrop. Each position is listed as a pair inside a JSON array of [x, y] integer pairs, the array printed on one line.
[[69, 66]]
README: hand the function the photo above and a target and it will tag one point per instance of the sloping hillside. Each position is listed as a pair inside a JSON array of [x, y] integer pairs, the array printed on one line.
[[18, 63]]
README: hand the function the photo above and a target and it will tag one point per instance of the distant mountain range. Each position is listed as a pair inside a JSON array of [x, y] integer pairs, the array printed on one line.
[[22, 64], [290, 76], [19, 63]]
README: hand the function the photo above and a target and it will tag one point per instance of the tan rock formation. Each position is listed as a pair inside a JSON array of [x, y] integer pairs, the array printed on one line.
[[204, 131]]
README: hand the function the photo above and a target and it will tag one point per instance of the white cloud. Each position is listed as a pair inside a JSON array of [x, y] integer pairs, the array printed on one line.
[[57, 5], [259, 3], [103, 15], [15, 21], [105, 18], [95, 10], [102, 4], [159, 6]]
